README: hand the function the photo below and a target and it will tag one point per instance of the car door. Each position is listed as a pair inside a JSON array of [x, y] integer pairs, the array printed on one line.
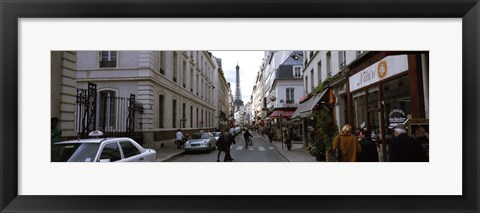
[[130, 152], [110, 152]]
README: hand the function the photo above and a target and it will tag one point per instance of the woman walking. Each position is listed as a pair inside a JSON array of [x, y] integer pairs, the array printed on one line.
[[347, 145]]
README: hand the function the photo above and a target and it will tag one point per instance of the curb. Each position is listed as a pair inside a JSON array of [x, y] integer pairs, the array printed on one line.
[[170, 156], [273, 146]]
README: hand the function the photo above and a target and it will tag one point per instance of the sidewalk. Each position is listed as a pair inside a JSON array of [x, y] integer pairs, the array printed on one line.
[[297, 154]]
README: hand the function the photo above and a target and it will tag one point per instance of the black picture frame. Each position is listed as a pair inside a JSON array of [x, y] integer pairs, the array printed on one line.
[[12, 10]]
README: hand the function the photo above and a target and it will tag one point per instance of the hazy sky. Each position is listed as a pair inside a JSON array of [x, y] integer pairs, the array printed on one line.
[[249, 63]]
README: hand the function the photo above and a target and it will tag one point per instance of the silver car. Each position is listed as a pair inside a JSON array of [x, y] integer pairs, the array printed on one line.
[[200, 142], [101, 150]]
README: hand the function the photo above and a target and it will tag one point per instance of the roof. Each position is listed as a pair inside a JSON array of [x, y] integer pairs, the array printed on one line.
[[292, 60], [91, 140]]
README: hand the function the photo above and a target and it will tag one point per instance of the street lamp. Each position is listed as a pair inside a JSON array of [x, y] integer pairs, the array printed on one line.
[[281, 130], [273, 99]]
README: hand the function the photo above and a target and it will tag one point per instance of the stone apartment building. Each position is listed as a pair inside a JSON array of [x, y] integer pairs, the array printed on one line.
[[165, 90]]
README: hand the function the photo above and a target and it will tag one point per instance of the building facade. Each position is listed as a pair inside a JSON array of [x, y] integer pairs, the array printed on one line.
[[367, 89], [63, 90], [221, 92], [173, 89]]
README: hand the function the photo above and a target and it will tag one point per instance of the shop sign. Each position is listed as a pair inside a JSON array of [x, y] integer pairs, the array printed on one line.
[[385, 68], [396, 116]]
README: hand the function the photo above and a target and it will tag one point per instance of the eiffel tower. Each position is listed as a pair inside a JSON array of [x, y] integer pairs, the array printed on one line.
[[238, 95]]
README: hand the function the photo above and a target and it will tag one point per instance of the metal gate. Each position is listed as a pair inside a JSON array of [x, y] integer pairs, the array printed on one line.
[[86, 110], [114, 116]]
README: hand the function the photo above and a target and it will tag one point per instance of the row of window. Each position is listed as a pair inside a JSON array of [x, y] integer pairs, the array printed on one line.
[[108, 59], [203, 118], [202, 89], [342, 62]]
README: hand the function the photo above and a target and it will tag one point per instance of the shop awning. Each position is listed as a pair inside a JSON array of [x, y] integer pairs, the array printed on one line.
[[284, 113], [306, 107], [301, 107]]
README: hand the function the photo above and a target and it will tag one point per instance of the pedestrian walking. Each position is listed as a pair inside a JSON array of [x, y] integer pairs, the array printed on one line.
[[221, 144], [270, 134], [179, 139], [369, 149], [288, 138], [54, 131], [403, 148], [224, 142], [421, 135], [347, 145], [247, 137]]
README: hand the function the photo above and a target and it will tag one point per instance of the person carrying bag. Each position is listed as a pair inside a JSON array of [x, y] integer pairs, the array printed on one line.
[[347, 145]]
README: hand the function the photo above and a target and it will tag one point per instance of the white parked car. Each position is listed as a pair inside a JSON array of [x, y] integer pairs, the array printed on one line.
[[101, 150]]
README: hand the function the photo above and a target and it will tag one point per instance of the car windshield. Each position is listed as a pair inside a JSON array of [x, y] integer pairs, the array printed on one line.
[[217, 134], [74, 152], [201, 136]]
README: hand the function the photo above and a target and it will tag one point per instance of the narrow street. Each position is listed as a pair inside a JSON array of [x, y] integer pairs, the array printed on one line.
[[260, 152]]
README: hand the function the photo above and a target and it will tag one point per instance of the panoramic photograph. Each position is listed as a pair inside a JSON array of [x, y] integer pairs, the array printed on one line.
[[240, 106]]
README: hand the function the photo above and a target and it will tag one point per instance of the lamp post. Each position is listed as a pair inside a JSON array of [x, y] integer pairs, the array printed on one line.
[[281, 130], [273, 99]]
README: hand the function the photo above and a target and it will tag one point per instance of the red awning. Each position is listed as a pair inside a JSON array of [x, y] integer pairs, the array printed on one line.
[[285, 114]]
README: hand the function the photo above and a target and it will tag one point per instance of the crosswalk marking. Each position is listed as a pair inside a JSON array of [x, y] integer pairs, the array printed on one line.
[[250, 148]]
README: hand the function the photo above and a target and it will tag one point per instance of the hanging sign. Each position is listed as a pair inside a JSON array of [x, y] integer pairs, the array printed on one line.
[[387, 67]]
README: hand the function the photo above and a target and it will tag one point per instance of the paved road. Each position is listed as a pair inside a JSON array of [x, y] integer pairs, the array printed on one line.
[[260, 152]]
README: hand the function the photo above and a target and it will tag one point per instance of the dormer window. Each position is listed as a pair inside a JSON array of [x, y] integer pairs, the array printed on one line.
[[297, 72]]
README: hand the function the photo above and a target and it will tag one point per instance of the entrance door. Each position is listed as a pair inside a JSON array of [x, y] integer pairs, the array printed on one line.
[[396, 104], [373, 110], [374, 115]]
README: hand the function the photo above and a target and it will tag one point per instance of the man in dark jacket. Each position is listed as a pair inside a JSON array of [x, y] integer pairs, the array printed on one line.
[[369, 149], [224, 142], [247, 137], [403, 148]]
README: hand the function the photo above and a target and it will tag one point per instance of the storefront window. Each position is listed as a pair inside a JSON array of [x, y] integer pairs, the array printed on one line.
[[359, 109], [397, 102], [374, 122], [373, 98]]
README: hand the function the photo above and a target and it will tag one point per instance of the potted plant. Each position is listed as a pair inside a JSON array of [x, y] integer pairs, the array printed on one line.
[[317, 150], [325, 131]]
